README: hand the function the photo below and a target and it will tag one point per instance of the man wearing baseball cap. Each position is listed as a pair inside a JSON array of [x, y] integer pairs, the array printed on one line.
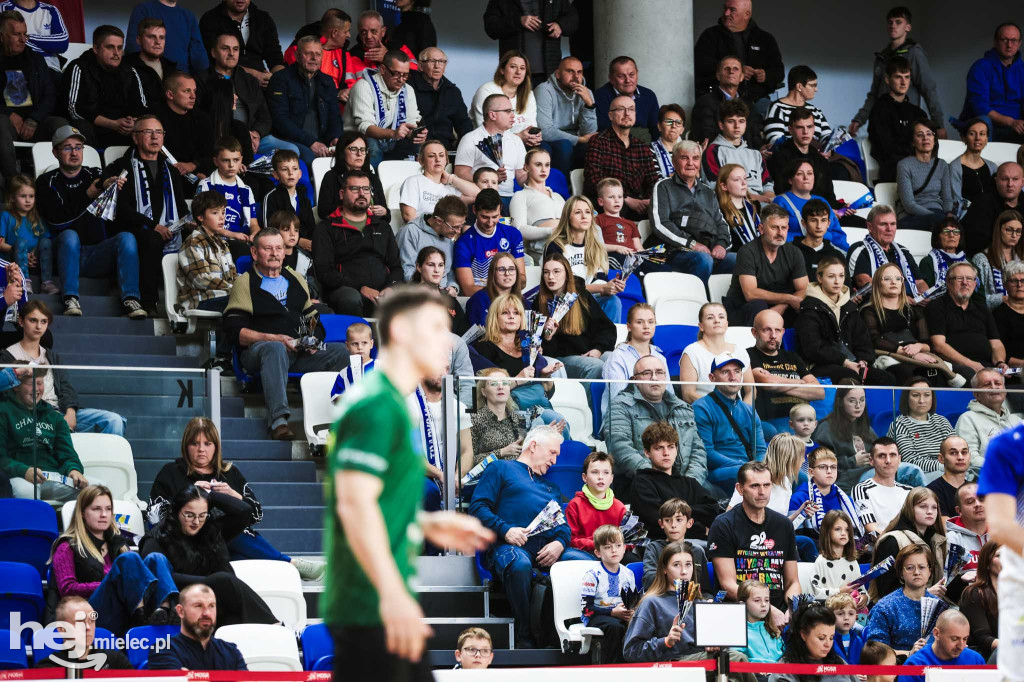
[[85, 245], [730, 429]]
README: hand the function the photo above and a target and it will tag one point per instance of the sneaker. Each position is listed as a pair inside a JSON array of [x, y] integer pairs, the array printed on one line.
[[72, 307], [50, 288], [282, 432], [309, 570], [131, 308]]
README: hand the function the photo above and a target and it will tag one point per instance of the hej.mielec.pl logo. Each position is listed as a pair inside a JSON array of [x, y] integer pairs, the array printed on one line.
[[62, 636]]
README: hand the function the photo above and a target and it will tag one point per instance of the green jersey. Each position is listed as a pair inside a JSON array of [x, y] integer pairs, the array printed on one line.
[[373, 435]]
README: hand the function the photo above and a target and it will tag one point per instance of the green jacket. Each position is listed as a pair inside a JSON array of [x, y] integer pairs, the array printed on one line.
[[19, 428]]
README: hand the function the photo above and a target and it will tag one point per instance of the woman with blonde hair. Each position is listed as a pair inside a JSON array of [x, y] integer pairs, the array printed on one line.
[[201, 464], [784, 456], [497, 426], [578, 238], [512, 79], [640, 327], [420, 192], [695, 363], [536, 207], [740, 214], [918, 523], [93, 560]]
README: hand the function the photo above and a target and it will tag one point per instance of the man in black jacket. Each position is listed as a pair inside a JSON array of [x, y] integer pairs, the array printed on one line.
[[189, 131], [104, 94], [355, 256], [29, 95], [891, 125], [73, 609], [798, 147], [269, 309], [729, 77], [442, 108], [261, 52], [149, 62], [738, 35], [534, 28]]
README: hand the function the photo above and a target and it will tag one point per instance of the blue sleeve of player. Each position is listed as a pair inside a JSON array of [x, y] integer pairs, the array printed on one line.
[[1003, 471], [463, 257]]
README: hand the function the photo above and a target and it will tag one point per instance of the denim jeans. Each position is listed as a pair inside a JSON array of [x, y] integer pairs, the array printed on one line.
[[611, 305], [514, 565], [119, 253], [131, 581], [92, 420], [582, 367], [246, 546], [378, 149], [269, 143], [48, 490], [44, 255], [702, 264]]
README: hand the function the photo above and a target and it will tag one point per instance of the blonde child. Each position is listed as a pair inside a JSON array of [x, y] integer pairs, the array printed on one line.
[[849, 638], [836, 564], [821, 495], [23, 233], [655, 633], [602, 585], [620, 235], [359, 342], [764, 639], [876, 653], [803, 420]]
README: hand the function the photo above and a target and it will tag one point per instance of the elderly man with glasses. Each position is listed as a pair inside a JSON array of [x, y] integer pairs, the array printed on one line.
[[383, 107], [638, 406], [152, 200], [499, 115], [442, 107]]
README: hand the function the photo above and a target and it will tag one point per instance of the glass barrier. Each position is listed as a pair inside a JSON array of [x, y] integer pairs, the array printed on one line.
[[66, 426]]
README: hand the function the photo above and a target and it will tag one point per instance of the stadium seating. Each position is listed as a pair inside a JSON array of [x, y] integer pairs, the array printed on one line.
[[570, 400], [676, 311], [395, 172], [317, 648], [805, 571], [576, 181], [113, 153], [637, 567], [630, 296], [181, 320], [672, 339], [279, 584], [44, 160], [139, 655], [127, 515], [320, 167], [533, 274], [743, 337], [11, 657], [27, 531], [849, 192], [396, 220], [556, 182], [644, 228], [566, 578], [885, 193], [949, 150], [870, 163], [109, 458], [336, 326], [264, 647], [1000, 152], [21, 592], [719, 285], [317, 408], [673, 286], [621, 330], [918, 242], [855, 234]]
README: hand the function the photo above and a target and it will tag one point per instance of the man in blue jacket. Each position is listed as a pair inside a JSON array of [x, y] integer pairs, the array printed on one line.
[[729, 428], [195, 647], [304, 103], [623, 80], [508, 497], [995, 87], [947, 648]]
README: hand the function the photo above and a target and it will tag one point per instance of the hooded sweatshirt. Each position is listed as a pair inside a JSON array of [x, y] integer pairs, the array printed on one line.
[[47, 430], [652, 621], [994, 87], [722, 152], [417, 235], [825, 326], [584, 518], [959, 534], [922, 82], [979, 424], [562, 115], [761, 647]]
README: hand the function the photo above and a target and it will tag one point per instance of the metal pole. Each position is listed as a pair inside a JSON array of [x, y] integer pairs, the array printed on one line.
[[449, 409], [213, 397]]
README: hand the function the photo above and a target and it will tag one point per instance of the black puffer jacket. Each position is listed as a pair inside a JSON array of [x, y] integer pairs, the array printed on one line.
[[763, 52], [502, 23], [346, 257], [819, 333]]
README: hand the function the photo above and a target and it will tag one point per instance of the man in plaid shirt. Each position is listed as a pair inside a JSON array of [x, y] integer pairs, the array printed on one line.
[[615, 153]]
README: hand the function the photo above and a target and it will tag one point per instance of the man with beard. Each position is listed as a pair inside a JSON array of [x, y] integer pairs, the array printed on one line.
[[771, 364], [195, 647], [355, 255]]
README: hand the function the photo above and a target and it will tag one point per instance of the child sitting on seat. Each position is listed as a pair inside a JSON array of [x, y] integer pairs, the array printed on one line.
[[206, 271], [674, 519], [821, 495], [849, 639], [836, 564], [595, 505], [359, 341], [602, 603], [764, 639]]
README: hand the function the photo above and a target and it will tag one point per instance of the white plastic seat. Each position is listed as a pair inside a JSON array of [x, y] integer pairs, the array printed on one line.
[[719, 286], [576, 181], [109, 458], [533, 275], [675, 311], [645, 229], [396, 220], [126, 513], [918, 242], [885, 193], [44, 160], [870, 163], [321, 165], [566, 578], [850, 191], [74, 51], [112, 154], [949, 150], [805, 571], [621, 331], [264, 647], [181, 320], [317, 408], [741, 336], [856, 234], [674, 285], [1000, 152], [279, 584], [570, 401], [395, 172]]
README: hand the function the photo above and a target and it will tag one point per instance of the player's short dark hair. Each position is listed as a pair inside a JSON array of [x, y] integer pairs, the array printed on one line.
[[814, 207], [149, 23], [355, 175], [598, 456], [283, 218], [800, 114], [101, 33], [897, 65], [673, 506], [401, 300], [487, 200], [733, 107], [207, 201], [800, 75]]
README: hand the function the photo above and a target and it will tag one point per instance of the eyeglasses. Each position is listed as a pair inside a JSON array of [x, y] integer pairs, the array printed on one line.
[[624, 110], [916, 569], [1013, 230], [360, 190], [1008, 41], [151, 133], [358, 151], [503, 111], [505, 271], [959, 278], [68, 148], [1016, 281], [499, 384], [648, 373], [827, 467], [189, 516], [924, 134], [950, 230], [400, 75], [473, 651], [671, 122], [896, 279], [429, 62]]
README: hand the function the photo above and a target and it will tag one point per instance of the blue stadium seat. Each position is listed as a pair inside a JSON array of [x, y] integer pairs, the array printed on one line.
[[335, 327], [21, 592], [711, 576], [632, 294], [572, 454], [672, 339], [40, 651], [317, 648], [567, 479], [556, 182], [881, 422], [144, 634], [11, 658], [243, 265], [597, 390], [481, 569], [952, 403], [638, 572], [27, 531], [789, 340]]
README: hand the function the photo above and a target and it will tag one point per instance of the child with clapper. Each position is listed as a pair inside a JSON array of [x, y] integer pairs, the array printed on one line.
[[23, 233], [849, 639], [601, 593], [655, 633], [764, 639], [359, 342], [821, 495], [836, 564]]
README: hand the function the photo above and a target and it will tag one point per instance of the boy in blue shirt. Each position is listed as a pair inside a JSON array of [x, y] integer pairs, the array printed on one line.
[[947, 647], [240, 216], [849, 639], [359, 342], [822, 494], [602, 602], [478, 245]]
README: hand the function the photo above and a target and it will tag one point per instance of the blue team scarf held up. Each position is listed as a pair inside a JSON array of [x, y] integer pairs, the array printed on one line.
[[878, 259], [433, 443], [381, 111], [814, 495], [942, 261], [664, 159], [997, 281]]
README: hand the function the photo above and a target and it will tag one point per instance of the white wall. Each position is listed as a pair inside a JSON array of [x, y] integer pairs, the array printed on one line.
[[837, 39]]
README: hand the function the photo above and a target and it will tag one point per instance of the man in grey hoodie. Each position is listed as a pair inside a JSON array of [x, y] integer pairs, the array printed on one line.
[[566, 114], [438, 229]]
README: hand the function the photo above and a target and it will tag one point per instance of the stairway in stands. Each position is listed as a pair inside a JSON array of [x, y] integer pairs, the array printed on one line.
[[159, 405]]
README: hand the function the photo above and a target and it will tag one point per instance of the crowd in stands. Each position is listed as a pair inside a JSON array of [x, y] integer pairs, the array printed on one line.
[[736, 483]]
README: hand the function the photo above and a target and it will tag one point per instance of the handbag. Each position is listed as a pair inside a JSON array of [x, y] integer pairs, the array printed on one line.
[[735, 427]]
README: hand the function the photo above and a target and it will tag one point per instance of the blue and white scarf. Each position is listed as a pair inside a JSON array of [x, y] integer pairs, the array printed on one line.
[[746, 228], [144, 203], [997, 281], [664, 159], [814, 495], [431, 437], [878, 259], [381, 111], [942, 260]]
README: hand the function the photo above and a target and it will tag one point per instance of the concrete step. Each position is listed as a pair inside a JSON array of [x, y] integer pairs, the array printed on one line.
[[148, 384], [122, 326], [447, 571], [87, 286], [283, 518], [255, 471], [276, 494], [232, 428], [166, 449], [177, 405], [295, 540], [104, 360], [113, 343], [93, 306]]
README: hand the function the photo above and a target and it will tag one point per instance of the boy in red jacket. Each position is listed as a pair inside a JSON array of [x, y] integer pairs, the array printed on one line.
[[595, 505]]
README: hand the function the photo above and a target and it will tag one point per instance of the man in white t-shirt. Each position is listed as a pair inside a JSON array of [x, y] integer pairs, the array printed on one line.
[[498, 118], [880, 498]]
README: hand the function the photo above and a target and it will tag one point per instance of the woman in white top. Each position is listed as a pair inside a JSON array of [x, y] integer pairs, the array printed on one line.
[[512, 79], [695, 365], [535, 208], [784, 456], [422, 191], [640, 326]]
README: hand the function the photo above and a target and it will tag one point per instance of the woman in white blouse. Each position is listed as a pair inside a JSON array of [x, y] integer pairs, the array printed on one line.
[[420, 192], [695, 364], [535, 208], [512, 79]]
